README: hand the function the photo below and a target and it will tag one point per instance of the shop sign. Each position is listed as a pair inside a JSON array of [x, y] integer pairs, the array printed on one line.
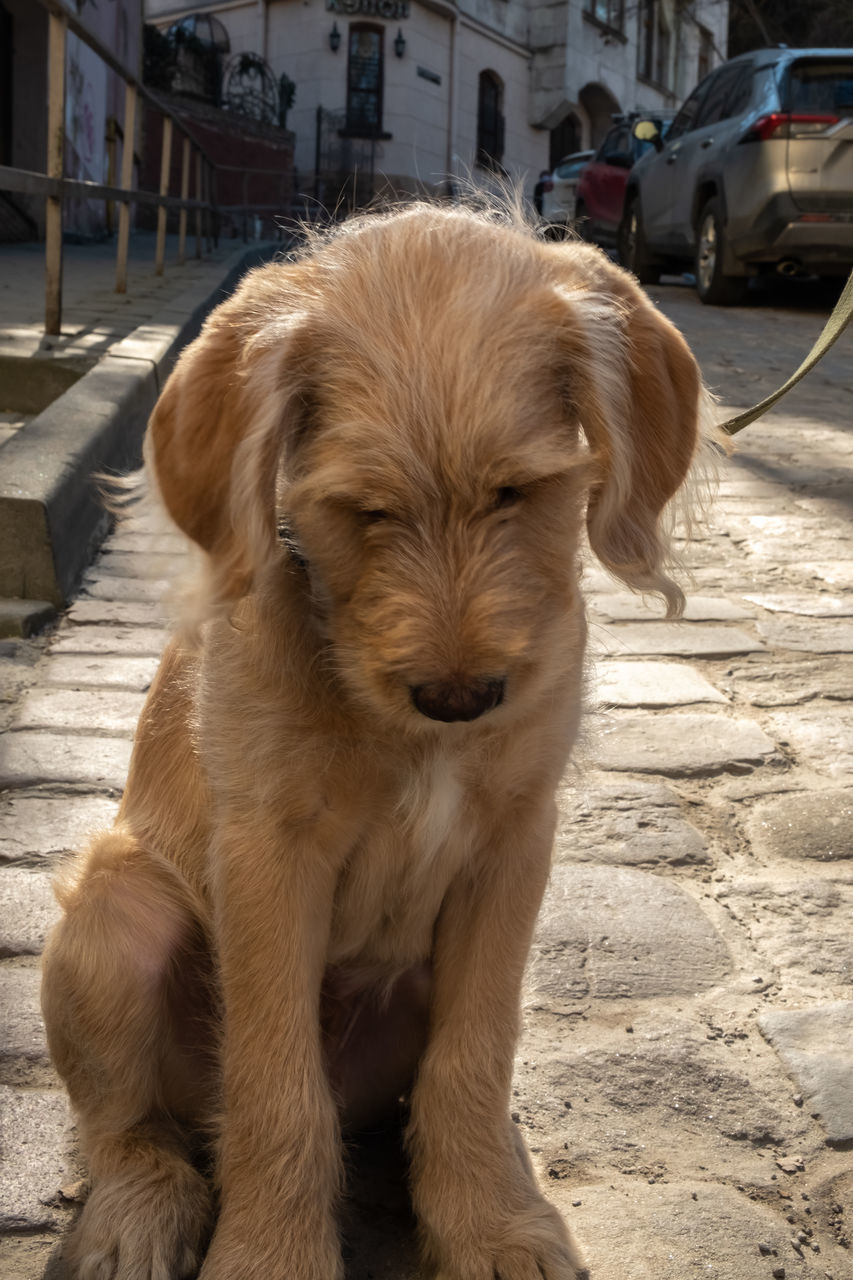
[[393, 10]]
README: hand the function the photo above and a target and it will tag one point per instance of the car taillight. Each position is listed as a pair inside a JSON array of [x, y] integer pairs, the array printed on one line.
[[547, 185], [786, 124]]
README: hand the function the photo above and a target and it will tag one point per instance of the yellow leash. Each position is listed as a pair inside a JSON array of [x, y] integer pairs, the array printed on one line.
[[836, 324]]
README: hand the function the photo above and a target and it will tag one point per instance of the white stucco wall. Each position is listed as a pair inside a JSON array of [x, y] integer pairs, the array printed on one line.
[[584, 54], [545, 52]]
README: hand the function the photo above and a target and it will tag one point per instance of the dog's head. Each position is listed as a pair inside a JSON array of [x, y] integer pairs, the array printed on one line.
[[431, 401]]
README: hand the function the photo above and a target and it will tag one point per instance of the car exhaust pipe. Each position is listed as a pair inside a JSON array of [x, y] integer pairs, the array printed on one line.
[[789, 267]]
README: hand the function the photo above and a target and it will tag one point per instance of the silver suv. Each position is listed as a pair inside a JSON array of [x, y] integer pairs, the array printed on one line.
[[755, 173]]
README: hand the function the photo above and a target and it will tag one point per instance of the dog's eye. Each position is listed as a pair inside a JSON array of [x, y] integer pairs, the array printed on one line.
[[374, 516], [507, 496]]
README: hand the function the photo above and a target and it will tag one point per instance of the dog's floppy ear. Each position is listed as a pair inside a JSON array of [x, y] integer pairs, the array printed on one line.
[[639, 396], [217, 430]]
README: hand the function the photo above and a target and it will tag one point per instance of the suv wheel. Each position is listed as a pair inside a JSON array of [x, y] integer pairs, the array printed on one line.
[[632, 245], [712, 286]]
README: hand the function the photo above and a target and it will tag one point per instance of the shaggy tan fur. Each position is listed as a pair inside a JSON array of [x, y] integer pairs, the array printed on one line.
[[320, 890]]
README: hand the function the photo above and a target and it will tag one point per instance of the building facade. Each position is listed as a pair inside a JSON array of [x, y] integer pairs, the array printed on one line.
[[94, 104], [422, 94]]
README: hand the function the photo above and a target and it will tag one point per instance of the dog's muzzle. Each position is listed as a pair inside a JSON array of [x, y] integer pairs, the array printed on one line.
[[455, 700]]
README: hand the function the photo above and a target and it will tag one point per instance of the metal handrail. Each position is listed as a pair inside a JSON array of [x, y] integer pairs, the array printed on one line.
[[55, 187]]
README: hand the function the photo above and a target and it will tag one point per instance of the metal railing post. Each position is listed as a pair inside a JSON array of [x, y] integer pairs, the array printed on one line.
[[165, 171], [208, 211], [185, 191], [129, 134], [109, 206], [214, 201], [198, 204], [57, 31]]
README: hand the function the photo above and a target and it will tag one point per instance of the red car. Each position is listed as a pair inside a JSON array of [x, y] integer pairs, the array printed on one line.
[[601, 189]]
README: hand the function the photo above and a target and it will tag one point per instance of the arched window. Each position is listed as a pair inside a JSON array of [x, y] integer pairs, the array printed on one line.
[[490, 121], [365, 76]]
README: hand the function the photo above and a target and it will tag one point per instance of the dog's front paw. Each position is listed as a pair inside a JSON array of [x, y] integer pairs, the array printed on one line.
[[276, 1249], [140, 1227], [531, 1244]]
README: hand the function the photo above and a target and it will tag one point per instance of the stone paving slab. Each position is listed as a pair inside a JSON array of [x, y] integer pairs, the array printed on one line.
[[817, 636], [816, 825], [783, 917], [126, 642], [672, 1232], [685, 639], [22, 1036], [38, 1146], [633, 1098], [113, 711], [835, 573], [30, 909], [108, 671], [31, 758], [821, 735], [787, 553], [630, 823], [618, 933], [138, 590], [652, 684], [676, 746], [36, 829], [816, 1045], [128, 537], [158, 566], [122, 613], [809, 604], [628, 608], [757, 682]]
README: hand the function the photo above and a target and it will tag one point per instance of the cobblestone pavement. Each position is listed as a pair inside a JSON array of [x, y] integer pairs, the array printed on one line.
[[685, 1074]]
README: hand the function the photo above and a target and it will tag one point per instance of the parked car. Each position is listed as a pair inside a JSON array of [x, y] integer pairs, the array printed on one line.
[[755, 174], [601, 187], [558, 198]]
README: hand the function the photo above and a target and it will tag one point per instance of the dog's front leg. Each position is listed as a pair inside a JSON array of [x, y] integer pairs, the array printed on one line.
[[279, 1158], [480, 1213]]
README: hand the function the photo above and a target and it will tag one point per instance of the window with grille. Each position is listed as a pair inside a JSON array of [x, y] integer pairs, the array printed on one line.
[[609, 12], [365, 74], [490, 121], [654, 45]]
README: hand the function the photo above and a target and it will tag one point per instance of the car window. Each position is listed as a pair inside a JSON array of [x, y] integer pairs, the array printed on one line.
[[619, 142], [727, 96], [685, 120], [570, 170], [816, 87], [608, 145]]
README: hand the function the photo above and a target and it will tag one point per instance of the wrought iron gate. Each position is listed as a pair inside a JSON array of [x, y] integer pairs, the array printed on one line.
[[344, 166]]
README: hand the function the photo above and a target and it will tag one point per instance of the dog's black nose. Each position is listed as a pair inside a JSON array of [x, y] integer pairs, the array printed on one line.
[[456, 699]]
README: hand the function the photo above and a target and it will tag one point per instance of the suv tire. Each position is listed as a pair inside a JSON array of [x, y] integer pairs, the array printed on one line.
[[713, 287], [633, 250]]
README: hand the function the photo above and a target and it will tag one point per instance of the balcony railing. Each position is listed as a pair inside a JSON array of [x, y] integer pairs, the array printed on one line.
[[198, 171]]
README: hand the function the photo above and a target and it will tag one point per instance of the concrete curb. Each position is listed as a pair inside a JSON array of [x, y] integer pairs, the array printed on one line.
[[51, 516]]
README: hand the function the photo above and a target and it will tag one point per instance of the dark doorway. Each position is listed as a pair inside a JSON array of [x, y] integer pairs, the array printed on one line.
[[565, 140]]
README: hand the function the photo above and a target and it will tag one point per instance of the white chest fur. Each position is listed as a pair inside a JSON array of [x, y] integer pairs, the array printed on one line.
[[393, 886], [430, 808]]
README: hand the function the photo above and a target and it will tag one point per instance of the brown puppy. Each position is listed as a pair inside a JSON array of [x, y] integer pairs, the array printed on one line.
[[336, 833]]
